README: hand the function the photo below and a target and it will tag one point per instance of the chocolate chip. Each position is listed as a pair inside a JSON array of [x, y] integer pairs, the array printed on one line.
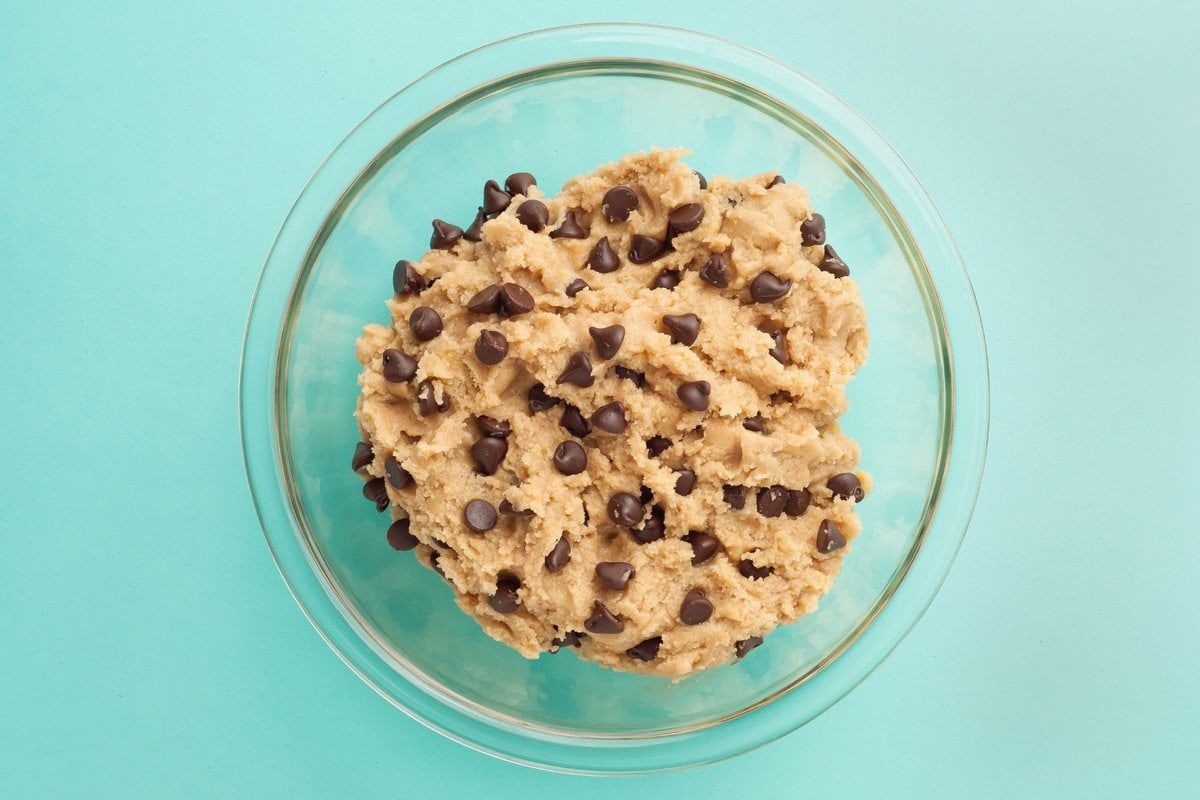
[[439, 543], [615, 574], [425, 323], [778, 179], [427, 403], [667, 279], [743, 647], [812, 230], [750, 570], [495, 199], [445, 235], [767, 287], [656, 445], [578, 371], [684, 328], [509, 510], [406, 280], [397, 367], [797, 502], [569, 639], [505, 600], [375, 490], [559, 555], [433, 563], [602, 258], [515, 300], [644, 249], [829, 538], [654, 529], [772, 500], [363, 455], [646, 650], [608, 340], [496, 428], [570, 458], [685, 483], [491, 347], [519, 183], [569, 229], [846, 485], [400, 537], [397, 475], [625, 510], [576, 286], [485, 301], [735, 496], [778, 349], [715, 271], [619, 201], [695, 608], [755, 423], [533, 214], [602, 620], [475, 232], [694, 394], [704, 546], [573, 422], [480, 516], [684, 219], [610, 417], [645, 494], [489, 454], [832, 264], [539, 400], [638, 379]]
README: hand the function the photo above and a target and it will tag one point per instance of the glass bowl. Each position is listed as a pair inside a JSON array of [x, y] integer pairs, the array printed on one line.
[[557, 103]]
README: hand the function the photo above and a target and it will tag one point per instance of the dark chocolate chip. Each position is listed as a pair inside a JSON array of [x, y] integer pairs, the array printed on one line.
[[573, 422], [495, 199], [519, 183], [400, 537], [539, 400], [832, 264], [684, 219], [433, 563], [475, 232], [489, 454], [610, 417], [755, 423], [638, 379], [772, 500], [602, 620], [427, 403], [735, 496], [846, 485], [559, 555], [509, 510], [619, 201], [646, 650], [778, 349], [406, 280], [657, 445], [694, 394], [576, 286], [778, 179], [743, 647], [695, 608], [615, 574], [569, 228], [703, 181], [644, 249], [397, 475], [445, 235], [375, 490], [667, 279], [425, 323], [812, 230], [496, 428], [752, 571], [654, 529], [829, 538], [646, 494], [439, 543], [608, 340], [363, 455], [602, 258], [485, 301], [533, 214], [684, 328], [578, 371], [505, 600], [715, 271], [570, 458], [397, 367], [515, 300], [568, 639], [625, 509], [491, 347], [767, 287], [685, 483], [797, 502], [704, 546], [480, 515]]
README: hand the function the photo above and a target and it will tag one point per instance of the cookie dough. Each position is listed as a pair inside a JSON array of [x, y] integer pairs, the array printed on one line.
[[609, 418]]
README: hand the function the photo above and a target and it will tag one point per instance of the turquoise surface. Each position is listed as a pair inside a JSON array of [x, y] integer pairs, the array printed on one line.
[[147, 645]]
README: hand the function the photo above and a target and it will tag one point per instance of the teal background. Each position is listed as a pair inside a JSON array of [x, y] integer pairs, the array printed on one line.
[[148, 647]]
